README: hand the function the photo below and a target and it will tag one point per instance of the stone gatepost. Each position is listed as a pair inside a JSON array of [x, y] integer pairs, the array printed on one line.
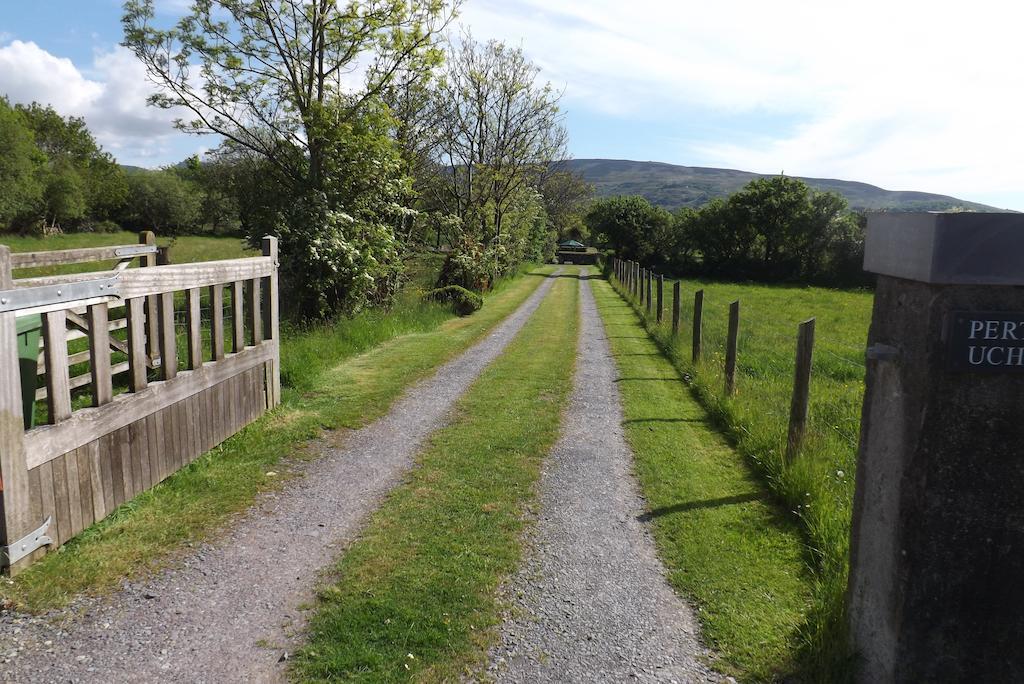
[[936, 589]]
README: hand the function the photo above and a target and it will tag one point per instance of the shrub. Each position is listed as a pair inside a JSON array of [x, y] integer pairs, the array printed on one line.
[[466, 267], [462, 300]]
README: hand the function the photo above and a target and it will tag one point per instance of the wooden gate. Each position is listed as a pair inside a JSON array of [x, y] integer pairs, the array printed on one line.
[[179, 394]]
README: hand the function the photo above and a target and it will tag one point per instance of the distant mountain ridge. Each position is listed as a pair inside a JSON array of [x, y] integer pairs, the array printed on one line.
[[671, 186]]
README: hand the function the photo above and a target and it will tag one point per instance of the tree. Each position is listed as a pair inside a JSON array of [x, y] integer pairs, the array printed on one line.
[[275, 79], [633, 228], [162, 201], [566, 199], [499, 130], [20, 165], [81, 180]]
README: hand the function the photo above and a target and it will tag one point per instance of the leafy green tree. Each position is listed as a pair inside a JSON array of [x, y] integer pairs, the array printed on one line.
[[82, 181], [20, 165], [273, 78], [566, 199], [633, 228], [162, 201], [499, 130]]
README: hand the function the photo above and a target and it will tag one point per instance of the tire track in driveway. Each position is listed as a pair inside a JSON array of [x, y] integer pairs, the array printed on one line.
[[591, 602], [204, 621]]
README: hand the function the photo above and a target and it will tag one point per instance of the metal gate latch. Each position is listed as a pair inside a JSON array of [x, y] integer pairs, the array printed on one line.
[[27, 544]]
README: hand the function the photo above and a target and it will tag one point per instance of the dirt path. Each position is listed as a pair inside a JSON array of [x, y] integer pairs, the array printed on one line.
[[592, 603], [231, 609]]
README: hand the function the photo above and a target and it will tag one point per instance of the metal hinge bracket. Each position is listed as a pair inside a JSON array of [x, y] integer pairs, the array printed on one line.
[[27, 544], [46, 295]]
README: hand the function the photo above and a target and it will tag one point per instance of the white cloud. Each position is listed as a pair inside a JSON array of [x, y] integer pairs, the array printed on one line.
[[110, 96], [907, 94]]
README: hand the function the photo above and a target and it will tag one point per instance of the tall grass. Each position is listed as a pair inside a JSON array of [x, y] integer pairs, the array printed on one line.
[[818, 486]]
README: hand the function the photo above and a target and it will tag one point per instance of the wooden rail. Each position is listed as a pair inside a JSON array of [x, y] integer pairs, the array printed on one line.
[[87, 460]]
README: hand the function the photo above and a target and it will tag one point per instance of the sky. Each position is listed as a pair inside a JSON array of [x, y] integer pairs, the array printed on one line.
[[903, 94]]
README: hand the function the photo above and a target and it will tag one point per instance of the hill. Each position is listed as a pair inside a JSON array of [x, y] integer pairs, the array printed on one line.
[[671, 186]]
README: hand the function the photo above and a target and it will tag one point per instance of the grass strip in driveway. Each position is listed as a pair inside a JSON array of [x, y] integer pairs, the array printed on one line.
[[414, 598], [189, 506], [727, 546]]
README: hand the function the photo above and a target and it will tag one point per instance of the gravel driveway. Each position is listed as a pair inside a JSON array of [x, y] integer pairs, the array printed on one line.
[[591, 602], [229, 611]]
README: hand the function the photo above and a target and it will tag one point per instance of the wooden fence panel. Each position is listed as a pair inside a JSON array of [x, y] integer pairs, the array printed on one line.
[[85, 463]]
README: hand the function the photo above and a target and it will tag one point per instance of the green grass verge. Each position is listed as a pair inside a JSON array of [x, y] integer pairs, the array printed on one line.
[[333, 382], [414, 598], [728, 547], [818, 486]]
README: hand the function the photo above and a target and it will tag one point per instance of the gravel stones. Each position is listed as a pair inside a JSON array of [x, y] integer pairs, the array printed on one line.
[[591, 602]]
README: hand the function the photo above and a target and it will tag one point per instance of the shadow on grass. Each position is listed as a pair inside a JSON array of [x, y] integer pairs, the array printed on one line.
[[637, 421], [706, 503]]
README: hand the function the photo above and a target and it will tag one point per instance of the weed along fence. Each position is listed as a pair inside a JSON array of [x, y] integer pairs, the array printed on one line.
[[129, 399], [648, 292]]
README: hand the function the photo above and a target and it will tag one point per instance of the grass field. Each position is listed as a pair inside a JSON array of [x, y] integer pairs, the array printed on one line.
[[414, 597], [335, 376], [818, 487]]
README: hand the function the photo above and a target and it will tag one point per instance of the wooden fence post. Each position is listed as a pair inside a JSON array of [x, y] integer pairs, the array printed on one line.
[[801, 389], [675, 308], [17, 508], [649, 286], [698, 314], [147, 237], [643, 285], [661, 295], [730, 348], [272, 321]]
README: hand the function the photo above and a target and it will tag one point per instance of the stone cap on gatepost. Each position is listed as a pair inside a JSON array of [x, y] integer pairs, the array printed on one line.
[[960, 248]]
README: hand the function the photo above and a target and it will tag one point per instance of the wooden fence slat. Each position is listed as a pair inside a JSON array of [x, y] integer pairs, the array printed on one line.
[[730, 348], [74, 493], [60, 498], [168, 338], [58, 382], [194, 326], [675, 308], [84, 485], [99, 501], [137, 379], [698, 321], [800, 404], [99, 350], [255, 311], [124, 446], [217, 322], [237, 317]]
